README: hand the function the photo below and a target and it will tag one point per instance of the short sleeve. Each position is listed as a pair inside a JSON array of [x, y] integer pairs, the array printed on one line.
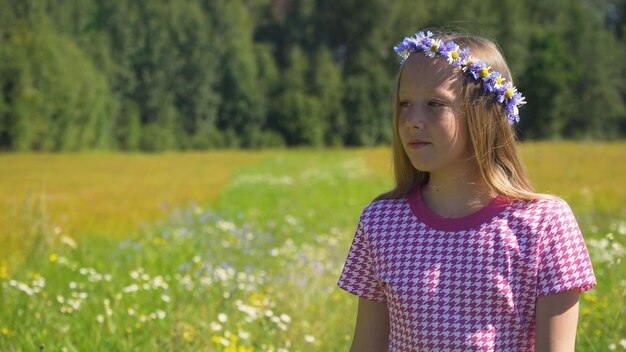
[[564, 262], [359, 276]]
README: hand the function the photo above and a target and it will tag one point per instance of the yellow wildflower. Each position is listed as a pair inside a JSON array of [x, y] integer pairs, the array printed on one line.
[[4, 270]]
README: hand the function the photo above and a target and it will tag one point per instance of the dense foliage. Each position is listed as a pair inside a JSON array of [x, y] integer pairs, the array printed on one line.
[[197, 74]]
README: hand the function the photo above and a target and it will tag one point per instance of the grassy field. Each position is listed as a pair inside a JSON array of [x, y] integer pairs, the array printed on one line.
[[246, 255]]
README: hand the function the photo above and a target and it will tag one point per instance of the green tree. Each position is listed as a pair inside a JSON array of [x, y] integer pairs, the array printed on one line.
[[546, 84], [327, 86], [241, 111], [58, 99]]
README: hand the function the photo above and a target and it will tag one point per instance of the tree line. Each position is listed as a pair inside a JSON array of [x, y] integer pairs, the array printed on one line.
[[198, 74]]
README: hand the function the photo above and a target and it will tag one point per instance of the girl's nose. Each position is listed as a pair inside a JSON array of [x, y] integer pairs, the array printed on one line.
[[414, 118]]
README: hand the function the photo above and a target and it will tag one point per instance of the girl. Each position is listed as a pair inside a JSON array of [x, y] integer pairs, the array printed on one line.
[[462, 255]]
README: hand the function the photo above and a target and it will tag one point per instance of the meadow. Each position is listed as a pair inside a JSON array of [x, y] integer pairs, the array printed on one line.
[[239, 251]]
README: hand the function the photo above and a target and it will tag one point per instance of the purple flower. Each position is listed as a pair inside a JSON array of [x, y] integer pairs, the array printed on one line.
[[462, 59], [433, 47], [447, 49], [493, 82], [477, 69], [505, 92], [403, 49], [512, 106], [423, 40], [420, 42]]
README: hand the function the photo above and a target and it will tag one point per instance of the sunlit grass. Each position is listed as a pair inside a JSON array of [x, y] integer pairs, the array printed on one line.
[[109, 194]]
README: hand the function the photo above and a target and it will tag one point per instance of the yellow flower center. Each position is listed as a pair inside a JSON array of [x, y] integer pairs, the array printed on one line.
[[509, 93], [454, 55], [484, 73], [499, 80], [434, 48]]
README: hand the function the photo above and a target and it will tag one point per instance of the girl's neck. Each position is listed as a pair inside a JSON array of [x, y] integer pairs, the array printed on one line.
[[456, 195]]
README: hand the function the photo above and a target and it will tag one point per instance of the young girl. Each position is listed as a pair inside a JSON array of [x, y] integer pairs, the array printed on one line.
[[462, 255]]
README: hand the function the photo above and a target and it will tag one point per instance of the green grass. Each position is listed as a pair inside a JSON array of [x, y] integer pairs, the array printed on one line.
[[255, 268]]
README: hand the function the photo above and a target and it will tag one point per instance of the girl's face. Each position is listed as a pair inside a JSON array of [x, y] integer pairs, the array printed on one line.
[[430, 124]]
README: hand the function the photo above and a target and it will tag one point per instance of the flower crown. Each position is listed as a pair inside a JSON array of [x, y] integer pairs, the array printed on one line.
[[493, 82]]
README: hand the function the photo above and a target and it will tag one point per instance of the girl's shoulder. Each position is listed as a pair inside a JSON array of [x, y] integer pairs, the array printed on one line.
[[386, 207], [543, 208], [545, 202]]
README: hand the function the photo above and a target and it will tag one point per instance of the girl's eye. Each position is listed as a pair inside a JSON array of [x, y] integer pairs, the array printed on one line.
[[435, 104], [405, 104]]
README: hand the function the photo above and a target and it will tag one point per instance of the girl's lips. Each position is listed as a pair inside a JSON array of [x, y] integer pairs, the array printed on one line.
[[418, 144]]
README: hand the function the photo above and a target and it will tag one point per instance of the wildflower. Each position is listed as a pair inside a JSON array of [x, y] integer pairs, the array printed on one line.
[[215, 326], [100, 318], [68, 241], [131, 288], [285, 318], [222, 317], [309, 338], [478, 69], [493, 82], [225, 226], [53, 257], [432, 50], [4, 271], [450, 50], [25, 288], [221, 340], [165, 298]]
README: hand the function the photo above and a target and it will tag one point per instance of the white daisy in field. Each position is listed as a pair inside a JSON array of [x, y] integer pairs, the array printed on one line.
[[222, 317], [285, 318], [215, 326]]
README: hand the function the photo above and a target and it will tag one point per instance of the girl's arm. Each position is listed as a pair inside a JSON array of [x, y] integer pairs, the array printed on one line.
[[372, 327], [556, 318]]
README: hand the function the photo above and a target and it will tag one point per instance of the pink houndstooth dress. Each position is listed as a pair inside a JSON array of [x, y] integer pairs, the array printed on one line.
[[465, 284]]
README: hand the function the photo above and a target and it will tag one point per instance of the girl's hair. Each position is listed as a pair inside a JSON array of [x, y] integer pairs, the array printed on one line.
[[491, 136]]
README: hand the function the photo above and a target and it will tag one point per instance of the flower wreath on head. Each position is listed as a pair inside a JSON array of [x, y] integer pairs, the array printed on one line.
[[493, 82]]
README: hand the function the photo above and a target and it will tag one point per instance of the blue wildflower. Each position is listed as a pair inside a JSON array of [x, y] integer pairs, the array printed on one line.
[[459, 57], [423, 40], [447, 49], [433, 49], [493, 82], [505, 92], [512, 106], [478, 69]]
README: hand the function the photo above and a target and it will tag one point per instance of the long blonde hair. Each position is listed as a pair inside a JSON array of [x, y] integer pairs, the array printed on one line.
[[492, 138]]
